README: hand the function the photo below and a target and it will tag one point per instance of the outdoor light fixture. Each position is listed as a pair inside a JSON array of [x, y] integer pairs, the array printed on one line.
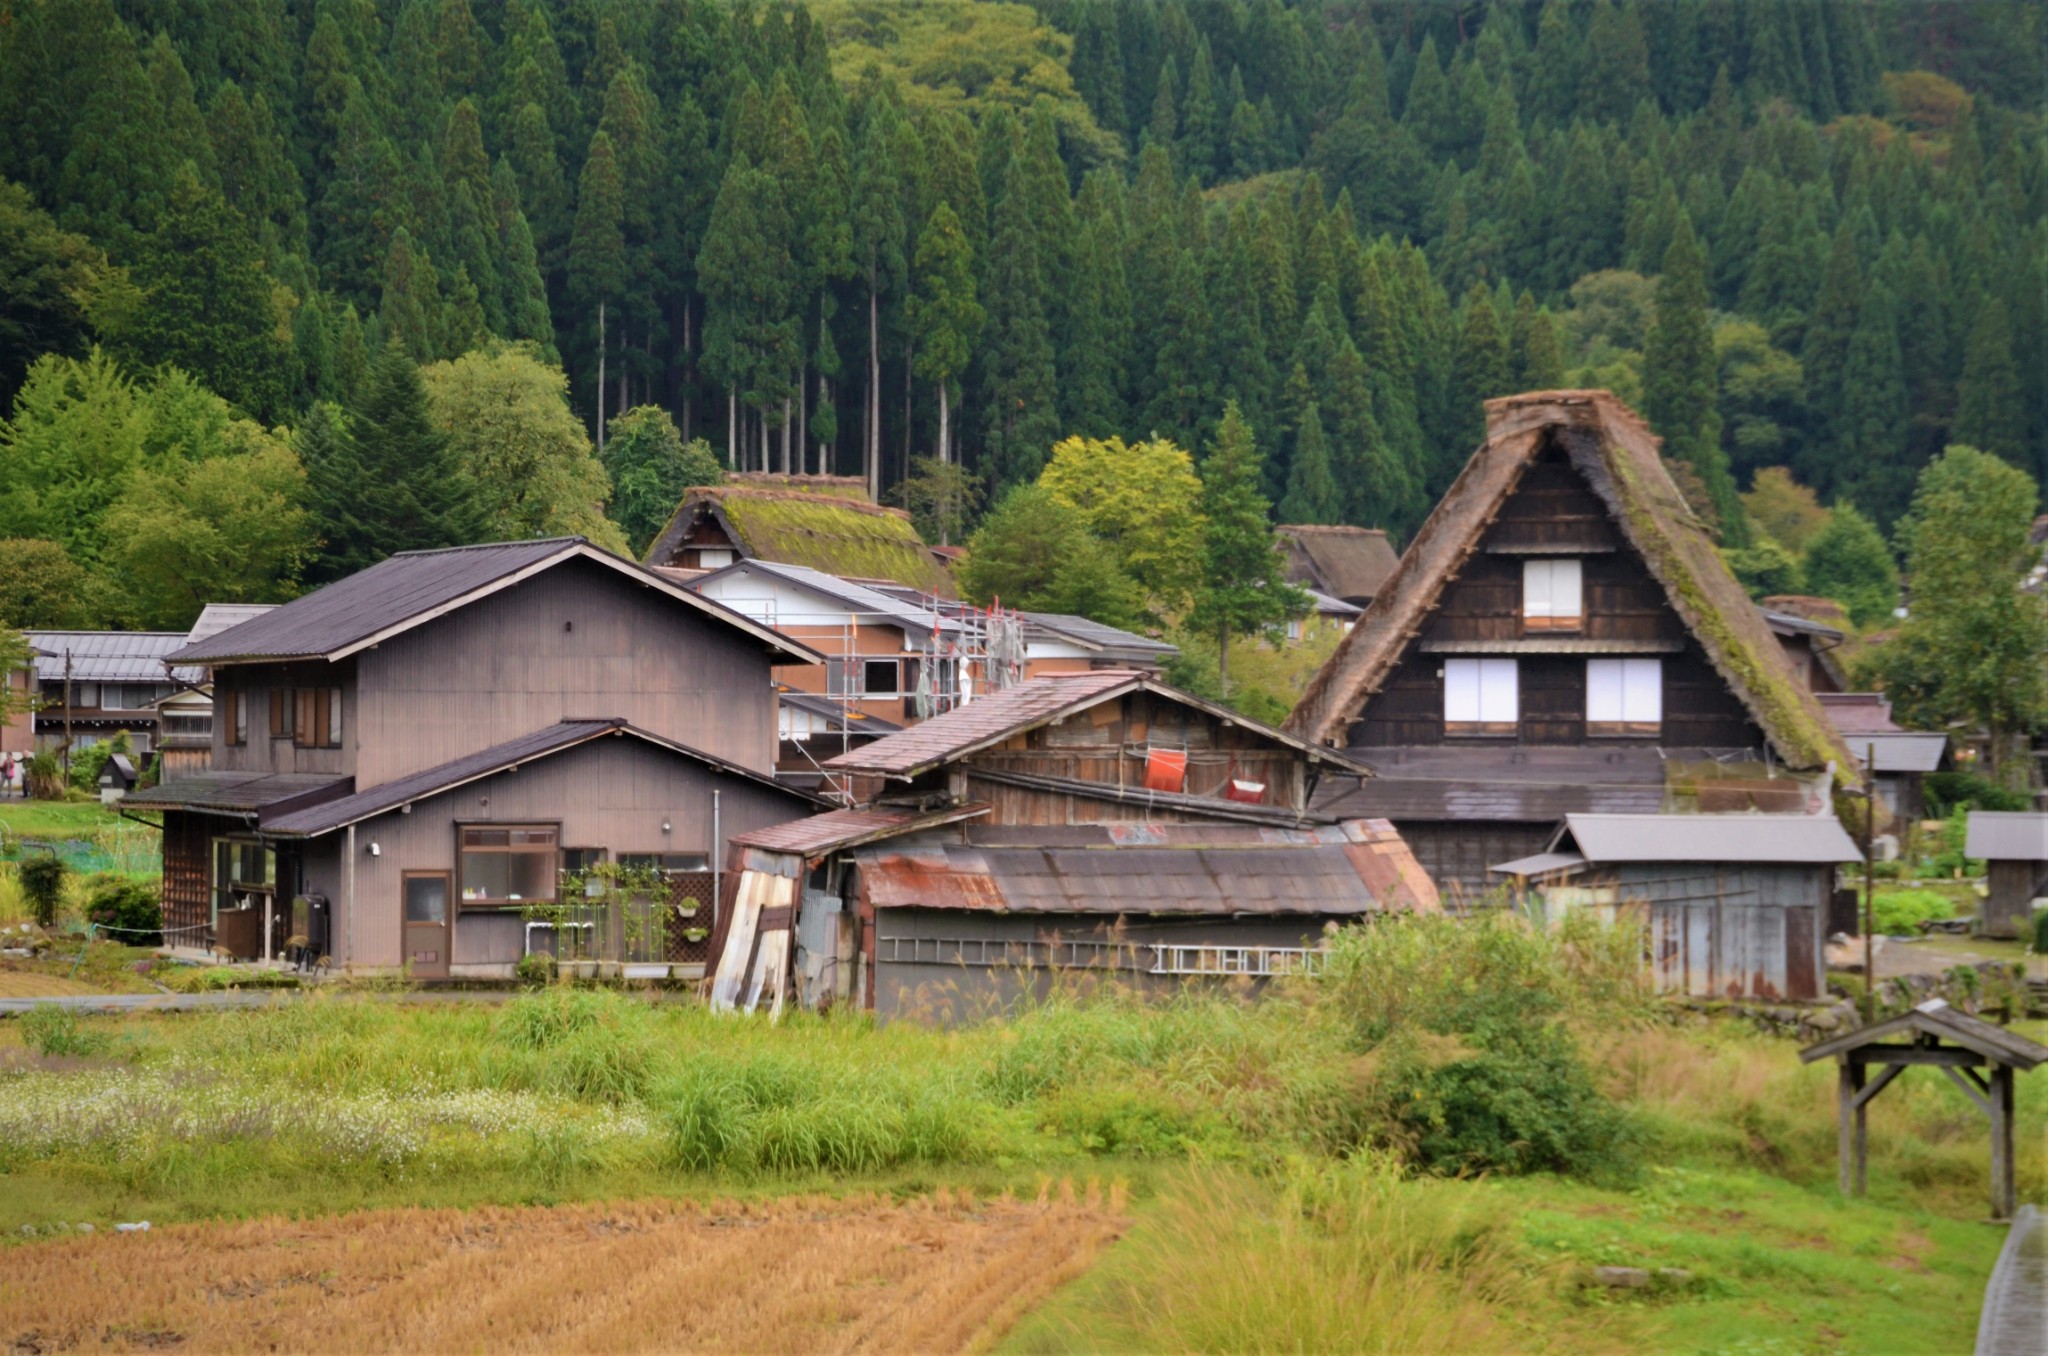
[[664, 826], [376, 851]]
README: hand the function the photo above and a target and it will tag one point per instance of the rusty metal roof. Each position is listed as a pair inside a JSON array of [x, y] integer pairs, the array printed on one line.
[[839, 829], [404, 590], [1155, 869], [996, 717]]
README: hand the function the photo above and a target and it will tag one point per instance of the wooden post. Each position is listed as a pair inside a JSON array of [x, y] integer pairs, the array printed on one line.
[[2002, 1186], [1848, 1118], [1862, 1131]]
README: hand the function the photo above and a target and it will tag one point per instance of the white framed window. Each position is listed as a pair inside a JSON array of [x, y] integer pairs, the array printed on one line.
[[1552, 595], [1481, 696], [1624, 696]]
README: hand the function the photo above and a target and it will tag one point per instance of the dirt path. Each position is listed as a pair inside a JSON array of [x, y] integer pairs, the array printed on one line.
[[803, 1276]]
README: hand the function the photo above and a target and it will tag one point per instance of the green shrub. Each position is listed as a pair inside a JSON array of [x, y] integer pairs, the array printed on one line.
[[130, 909], [1950, 792], [535, 968], [2041, 933], [51, 1029], [1899, 913], [42, 882], [1124, 1118], [1474, 1068], [220, 978], [1948, 858]]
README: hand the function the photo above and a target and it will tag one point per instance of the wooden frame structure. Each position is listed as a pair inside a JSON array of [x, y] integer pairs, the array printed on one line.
[[1942, 1038]]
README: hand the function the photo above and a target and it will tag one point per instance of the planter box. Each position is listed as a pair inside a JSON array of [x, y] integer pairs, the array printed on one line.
[[607, 969], [688, 970], [645, 970], [576, 969]]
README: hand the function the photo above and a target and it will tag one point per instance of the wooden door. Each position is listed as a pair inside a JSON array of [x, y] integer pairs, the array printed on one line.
[[427, 895]]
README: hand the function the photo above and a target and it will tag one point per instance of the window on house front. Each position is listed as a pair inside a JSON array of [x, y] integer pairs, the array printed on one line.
[[838, 674], [241, 868], [1481, 696], [235, 718], [1552, 595], [508, 864], [309, 716], [879, 677], [1624, 696], [668, 863]]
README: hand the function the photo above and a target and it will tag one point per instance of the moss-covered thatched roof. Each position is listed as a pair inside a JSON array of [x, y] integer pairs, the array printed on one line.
[[1618, 455], [837, 531]]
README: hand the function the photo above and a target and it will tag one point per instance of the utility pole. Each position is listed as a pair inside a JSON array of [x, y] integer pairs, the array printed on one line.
[[67, 715], [1869, 879]]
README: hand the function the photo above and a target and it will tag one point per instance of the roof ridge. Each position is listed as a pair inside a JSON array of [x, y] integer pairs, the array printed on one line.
[[490, 546]]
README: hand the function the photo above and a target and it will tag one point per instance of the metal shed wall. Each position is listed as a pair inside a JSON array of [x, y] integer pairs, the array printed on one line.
[[953, 965], [1720, 930]]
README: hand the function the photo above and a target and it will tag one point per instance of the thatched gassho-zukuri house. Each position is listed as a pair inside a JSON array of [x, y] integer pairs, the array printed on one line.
[[1347, 563], [823, 522], [1562, 637]]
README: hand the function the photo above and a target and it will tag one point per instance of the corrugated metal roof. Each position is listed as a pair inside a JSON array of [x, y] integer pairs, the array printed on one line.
[[827, 708], [1542, 864], [838, 829], [1904, 751], [107, 656], [1159, 869], [215, 618], [2007, 836], [236, 792], [866, 604], [550, 739], [999, 715], [1110, 640], [408, 588], [1609, 839]]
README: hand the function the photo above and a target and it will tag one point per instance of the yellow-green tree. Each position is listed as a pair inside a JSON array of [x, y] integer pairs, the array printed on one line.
[[506, 415], [1142, 500]]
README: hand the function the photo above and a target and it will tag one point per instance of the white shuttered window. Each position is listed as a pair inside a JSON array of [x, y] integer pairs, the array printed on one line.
[[1624, 696], [1551, 595], [1481, 696]]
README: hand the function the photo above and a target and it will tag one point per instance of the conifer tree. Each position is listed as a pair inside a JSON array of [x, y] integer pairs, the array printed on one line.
[[388, 482], [1990, 414], [597, 253], [1312, 495], [1850, 563], [1243, 589], [1481, 368], [1680, 376], [411, 307], [1020, 394], [944, 317], [879, 231], [206, 302]]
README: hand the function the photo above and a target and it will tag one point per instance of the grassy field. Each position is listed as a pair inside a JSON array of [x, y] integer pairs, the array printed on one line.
[[1281, 1195]]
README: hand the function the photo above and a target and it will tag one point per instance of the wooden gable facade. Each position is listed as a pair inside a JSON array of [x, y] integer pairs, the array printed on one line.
[[1496, 607]]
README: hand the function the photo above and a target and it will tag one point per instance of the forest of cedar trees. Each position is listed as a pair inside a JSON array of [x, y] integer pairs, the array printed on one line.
[[287, 285]]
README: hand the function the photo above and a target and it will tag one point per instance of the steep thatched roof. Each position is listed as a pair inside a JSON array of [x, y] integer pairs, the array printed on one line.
[[1617, 454], [1345, 562], [834, 528]]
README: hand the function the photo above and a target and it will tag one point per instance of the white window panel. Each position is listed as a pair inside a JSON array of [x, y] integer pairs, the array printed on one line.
[[1625, 692], [1552, 593], [1481, 692]]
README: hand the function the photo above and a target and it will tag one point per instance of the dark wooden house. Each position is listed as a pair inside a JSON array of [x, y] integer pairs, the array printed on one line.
[[1099, 823], [405, 761], [1562, 637]]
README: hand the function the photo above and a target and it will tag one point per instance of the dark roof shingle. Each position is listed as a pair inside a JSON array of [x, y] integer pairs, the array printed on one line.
[[408, 588]]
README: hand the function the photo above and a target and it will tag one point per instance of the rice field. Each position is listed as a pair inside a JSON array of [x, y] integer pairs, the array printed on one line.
[[942, 1273]]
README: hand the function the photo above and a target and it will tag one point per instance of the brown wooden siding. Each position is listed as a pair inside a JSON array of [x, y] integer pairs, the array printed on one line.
[[578, 640], [261, 753], [1622, 602], [188, 896]]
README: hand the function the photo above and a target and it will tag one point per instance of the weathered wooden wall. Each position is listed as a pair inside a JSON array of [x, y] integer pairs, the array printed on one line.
[[2012, 887], [1722, 931]]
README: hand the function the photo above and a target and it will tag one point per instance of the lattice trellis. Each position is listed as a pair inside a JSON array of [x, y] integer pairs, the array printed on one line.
[[700, 887]]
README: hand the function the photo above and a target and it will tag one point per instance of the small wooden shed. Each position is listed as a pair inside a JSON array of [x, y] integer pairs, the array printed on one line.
[[2013, 845], [1939, 1036]]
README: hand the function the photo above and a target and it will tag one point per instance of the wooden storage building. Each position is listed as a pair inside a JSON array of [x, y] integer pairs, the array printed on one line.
[[2013, 845]]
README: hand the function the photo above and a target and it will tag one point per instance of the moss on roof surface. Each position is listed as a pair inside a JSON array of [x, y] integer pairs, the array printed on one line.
[[833, 533], [1619, 457]]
